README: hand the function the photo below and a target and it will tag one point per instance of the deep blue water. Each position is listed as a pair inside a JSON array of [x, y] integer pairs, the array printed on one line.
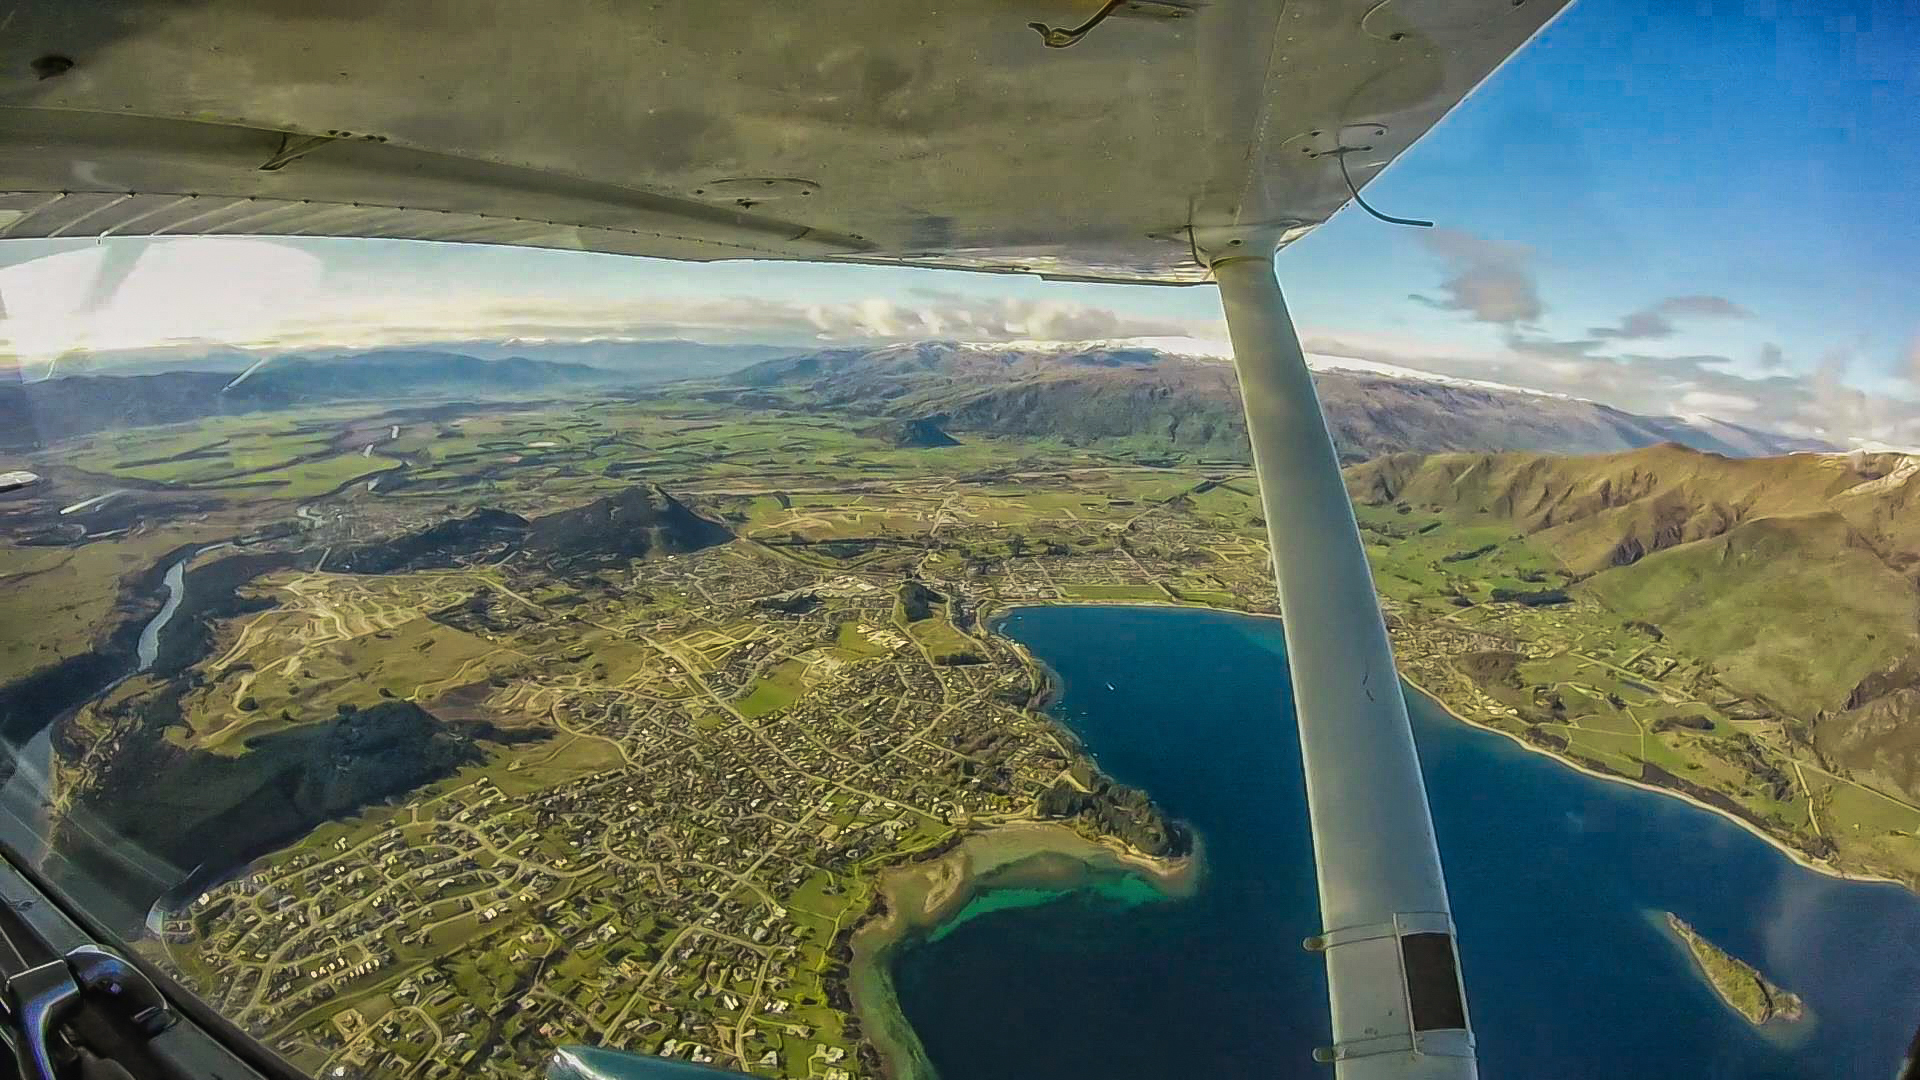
[[1557, 882]]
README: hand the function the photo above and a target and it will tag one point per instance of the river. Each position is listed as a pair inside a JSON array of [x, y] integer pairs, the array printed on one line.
[[176, 586], [25, 794], [1558, 881]]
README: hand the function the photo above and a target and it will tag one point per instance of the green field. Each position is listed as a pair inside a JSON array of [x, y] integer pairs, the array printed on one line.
[[1861, 809], [780, 688], [1427, 560], [941, 640], [1112, 592]]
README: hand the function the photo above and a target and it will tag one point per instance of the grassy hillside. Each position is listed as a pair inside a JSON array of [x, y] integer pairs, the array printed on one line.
[[1793, 579], [1611, 509], [1798, 609], [1879, 741]]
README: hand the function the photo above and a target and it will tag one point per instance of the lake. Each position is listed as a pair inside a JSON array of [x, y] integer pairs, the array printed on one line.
[[1558, 882]]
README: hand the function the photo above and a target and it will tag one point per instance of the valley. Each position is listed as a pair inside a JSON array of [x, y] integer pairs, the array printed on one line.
[[506, 724]]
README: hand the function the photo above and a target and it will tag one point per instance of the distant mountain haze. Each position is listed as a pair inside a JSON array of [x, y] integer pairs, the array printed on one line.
[[37, 413], [659, 360], [1114, 394], [635, 361], [169, 385]]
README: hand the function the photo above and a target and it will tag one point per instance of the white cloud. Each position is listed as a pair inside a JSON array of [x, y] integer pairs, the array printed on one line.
[[1713, 403], [968, 318], [1839, 410], [258, 293], [272, 295], [1494, 284], [1491, 281], [1822, 404], [1657, 320], [111, 297]]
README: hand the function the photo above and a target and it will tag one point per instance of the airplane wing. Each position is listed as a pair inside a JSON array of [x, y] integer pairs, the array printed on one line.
[[952, 135]]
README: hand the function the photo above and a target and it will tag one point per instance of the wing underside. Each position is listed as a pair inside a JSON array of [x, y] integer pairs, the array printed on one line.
[[953, 135]]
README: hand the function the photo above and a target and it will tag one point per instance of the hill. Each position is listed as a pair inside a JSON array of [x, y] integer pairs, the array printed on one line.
[[919, 433], [197, 810], [36, 413], [485, 535], [1798, 609], [1797, 577], [635, 362], [400, 373], [1148, 399], [635, 523], [1610, 510]]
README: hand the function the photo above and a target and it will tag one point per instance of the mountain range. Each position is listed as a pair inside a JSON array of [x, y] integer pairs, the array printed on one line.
[[650, 361], [1798, 577], [1117, 393], [170, 385]]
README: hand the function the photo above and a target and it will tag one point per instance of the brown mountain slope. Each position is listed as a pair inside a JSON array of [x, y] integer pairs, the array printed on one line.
[[1879, 741], [1795, 577], [1606, 510], [1158, 402]]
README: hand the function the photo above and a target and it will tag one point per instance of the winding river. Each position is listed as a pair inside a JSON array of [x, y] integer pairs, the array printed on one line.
[[176, 585], [26, 792]]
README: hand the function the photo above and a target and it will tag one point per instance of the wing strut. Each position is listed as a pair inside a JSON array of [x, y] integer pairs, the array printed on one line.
[[1399, 1009]]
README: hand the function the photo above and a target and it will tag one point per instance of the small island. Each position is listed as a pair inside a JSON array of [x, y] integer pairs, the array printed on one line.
[[1737, 982]]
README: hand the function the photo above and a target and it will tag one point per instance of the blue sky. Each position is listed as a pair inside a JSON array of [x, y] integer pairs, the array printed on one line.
[[1670, 206]]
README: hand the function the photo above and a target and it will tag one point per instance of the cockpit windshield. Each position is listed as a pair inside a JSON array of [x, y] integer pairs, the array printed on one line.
[[491, 588]]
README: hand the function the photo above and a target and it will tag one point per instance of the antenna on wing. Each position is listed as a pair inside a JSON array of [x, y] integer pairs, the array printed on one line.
[[1341, 153]]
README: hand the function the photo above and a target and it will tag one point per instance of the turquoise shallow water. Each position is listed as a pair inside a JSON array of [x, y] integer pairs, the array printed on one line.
[[1124, 893], [1557, 880]]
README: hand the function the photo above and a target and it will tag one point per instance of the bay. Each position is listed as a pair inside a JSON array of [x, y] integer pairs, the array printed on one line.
[[1558, 881]]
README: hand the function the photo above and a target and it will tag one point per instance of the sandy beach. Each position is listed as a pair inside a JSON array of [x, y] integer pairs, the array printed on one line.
[[917, 898]]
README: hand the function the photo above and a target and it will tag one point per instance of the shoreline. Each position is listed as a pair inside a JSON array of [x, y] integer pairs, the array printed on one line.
[[991, 616], [918, 899], [1799, 857], [1785, 1009], [1002, 609]]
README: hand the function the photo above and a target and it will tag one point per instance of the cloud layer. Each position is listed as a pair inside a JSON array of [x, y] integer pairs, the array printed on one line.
[[1657, 320], [258, 293], [1495, 284], [1491, 281]]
